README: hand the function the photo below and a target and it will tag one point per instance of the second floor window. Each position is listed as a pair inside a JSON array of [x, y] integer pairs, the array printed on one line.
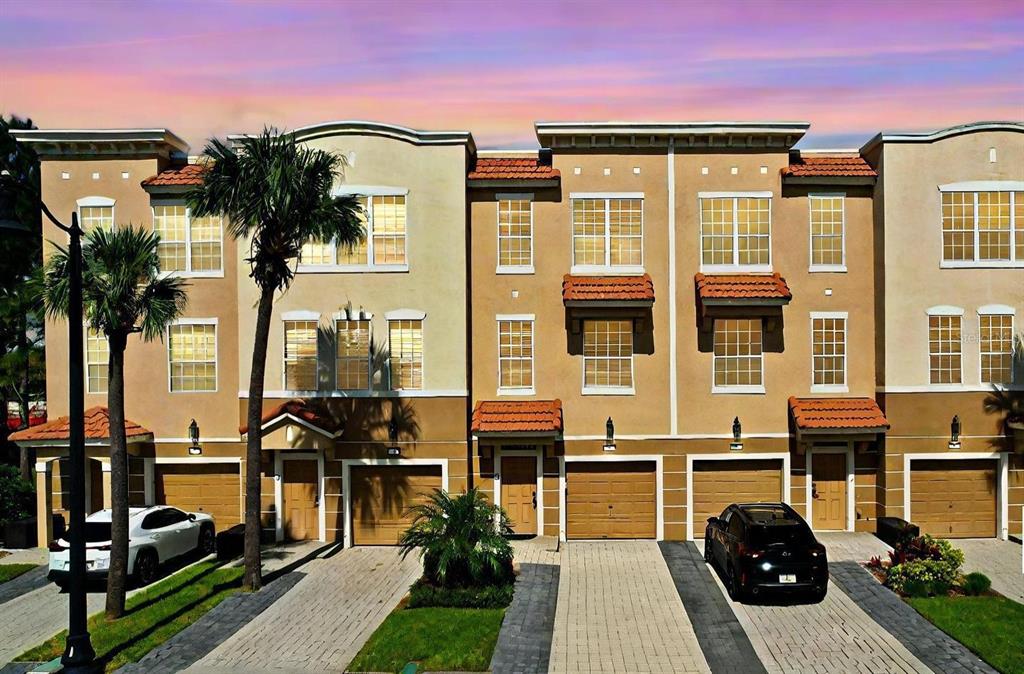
[[827, 231], [97, 359], [187, 244], [192, 356], [944, 349], [607, 355], [352, 366], [384, 224], [738, 364], [405, 339], [996, 344], [983, 227], [828, 351], [515, 233], [607, 232], [97, 217], [735, 231], [515, 354], [300, 347]]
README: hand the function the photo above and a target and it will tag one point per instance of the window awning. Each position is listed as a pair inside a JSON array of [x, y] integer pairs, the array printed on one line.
[[835, 416], [742, 289], [607, 291], [511, 418]]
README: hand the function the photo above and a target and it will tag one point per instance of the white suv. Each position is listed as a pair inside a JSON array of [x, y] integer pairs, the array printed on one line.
[[155, 535]]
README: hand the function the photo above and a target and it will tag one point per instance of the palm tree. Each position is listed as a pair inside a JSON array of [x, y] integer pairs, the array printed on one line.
[[122, 293], [277, 196]]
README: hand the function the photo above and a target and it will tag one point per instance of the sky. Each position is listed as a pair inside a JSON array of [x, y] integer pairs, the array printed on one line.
[[210, 68]]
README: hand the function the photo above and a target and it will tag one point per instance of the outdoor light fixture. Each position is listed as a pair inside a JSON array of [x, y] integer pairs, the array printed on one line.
[[609, 435], [954, 432], [393, 448], [193, 435], [737, 433]]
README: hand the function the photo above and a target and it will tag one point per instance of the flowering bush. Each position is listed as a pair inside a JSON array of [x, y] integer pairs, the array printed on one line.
[[924, 561]]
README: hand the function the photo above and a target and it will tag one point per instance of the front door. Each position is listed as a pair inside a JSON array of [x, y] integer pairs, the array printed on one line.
[[301, 500], [519, 492], [828, 491]]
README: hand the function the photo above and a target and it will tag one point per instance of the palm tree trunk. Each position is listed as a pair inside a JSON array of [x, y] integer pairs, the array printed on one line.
[[117, 576], [254, 443]]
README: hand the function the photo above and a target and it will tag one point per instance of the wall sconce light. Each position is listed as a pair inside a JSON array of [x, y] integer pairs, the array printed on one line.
[[609, 435], [393, 448], [954, 432], [193, 435], [737, 433]]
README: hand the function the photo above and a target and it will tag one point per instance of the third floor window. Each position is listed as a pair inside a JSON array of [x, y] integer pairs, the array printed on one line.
[[515, 234], [827, 232], [735, 231], [984, 228], [607, 232], [384, 246]]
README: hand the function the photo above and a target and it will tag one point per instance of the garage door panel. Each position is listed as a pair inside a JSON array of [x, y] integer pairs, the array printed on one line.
[[954, 498], [718, 484], [615, 500], [208, 488], [382, 496]]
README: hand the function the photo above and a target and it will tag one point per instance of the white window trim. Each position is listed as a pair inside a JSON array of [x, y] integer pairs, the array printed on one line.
[[833, 388], [408, 315], [522, 390], [96, 202], [367, 318], [608, 390], [405, 315], [984, 186], [513, 268], [188, 273], [996, 309], [1013, 333], [735, 266], [745, 388], [824, 268], [607, 268], [363, 191], [298, 315], [974, 187], [216, 352]]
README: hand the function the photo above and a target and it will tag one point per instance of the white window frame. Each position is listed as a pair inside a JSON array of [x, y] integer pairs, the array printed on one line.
[[743, 388], [518, 391], [216, 352], [97, 202], [610, 390], [818, 268], [607, 267], [368, 191], [830, 388], [509, 268], [299, 315], [942, 310], [735, 266], [343, 316], [187, 272], [975, 187], [997, 310]]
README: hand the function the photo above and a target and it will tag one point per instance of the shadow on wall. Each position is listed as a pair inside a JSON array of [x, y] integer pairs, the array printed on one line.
[[1007, 405]]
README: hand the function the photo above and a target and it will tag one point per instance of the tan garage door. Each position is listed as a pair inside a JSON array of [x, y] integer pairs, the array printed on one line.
[[211, 488], [954, 499], [382, 496], [718, 484], [610, 500]]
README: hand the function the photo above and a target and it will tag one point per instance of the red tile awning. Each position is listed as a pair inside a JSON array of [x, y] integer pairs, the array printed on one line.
[[97, 427], [839, 166], [837, 415], [297, 410], [608, 290], [738, 289], [177, 176], [512, 169], [517, 417]]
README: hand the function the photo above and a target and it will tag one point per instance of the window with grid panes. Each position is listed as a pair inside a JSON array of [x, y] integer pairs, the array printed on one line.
[[97, 360], [607, 354], [515, 354], [384, 226], [736, 231], [738, 353], [515, 233], [983, 227], [828, 351], [187, 244], [357, 253], [607, 232], [97, 217], [405, 340], [300, 350], [944, 349], [192, 355], [353, 354], [996, 346], [827, 230]]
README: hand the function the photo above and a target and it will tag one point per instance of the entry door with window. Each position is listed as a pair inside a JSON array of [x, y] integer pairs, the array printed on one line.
[[519, 492], [301, 496], [828, 491]]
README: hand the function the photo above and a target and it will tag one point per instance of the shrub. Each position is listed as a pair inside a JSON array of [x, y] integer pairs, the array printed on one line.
[[17, 496], [926, 548], [423, 594], [929, 572], [915, 588], [940, 588], [976, 583]]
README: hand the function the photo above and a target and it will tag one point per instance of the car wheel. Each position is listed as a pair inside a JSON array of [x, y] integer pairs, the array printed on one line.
[[735, 589], [146, 567], [708, 557], [207, 540]]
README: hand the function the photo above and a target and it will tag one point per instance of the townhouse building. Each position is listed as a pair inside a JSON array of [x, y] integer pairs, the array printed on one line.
[[614, 337]]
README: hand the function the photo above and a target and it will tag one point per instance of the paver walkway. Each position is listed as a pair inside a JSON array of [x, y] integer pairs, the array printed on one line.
[[23, 584], [322, 622], [34, 617], [524, 643], [999, 560], [618, 611]]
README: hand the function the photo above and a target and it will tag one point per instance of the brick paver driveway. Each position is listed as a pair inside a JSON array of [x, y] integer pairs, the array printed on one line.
[[618, 611], [322, 622], [999, 560], [32, 618]]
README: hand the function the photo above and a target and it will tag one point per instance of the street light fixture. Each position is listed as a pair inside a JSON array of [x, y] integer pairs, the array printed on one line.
[[609, 435], [193, 435], [737, 435], [954, 432]]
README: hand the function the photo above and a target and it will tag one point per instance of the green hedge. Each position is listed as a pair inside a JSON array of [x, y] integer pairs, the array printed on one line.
[[423, 594]]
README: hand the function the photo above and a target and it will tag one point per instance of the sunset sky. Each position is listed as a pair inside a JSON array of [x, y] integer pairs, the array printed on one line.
[[493, 68]]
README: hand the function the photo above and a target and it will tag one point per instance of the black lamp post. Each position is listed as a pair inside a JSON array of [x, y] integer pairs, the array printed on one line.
[[78, 651]]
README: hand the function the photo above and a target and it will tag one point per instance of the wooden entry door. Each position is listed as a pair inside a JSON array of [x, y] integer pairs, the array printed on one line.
[[519, 492], [828, 491], [301, 505]]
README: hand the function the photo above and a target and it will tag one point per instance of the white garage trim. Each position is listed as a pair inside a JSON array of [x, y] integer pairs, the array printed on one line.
[[346, 483], [279, 458], [690, 458], [1002, 482], [851, 482], [538, 455], [659, 482]]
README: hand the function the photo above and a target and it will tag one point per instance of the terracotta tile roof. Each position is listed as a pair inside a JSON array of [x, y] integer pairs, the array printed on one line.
[[298, 409], [97, 427], [607, 288], [518, 416], [836, 413], [189, 174], [821, 165], [742, 287], [512, 168]]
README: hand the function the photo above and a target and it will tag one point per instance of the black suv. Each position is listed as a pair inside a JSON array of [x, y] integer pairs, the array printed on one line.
[[765, 546]]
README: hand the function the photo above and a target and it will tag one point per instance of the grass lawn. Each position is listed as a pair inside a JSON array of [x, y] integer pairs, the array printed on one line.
[[9, 571], [990, 626], [438, 639], [153, 616]]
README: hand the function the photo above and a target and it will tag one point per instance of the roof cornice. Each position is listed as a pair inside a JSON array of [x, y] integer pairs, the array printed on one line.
[[80, 143], [354, 127], [721, 134], [949, 132]]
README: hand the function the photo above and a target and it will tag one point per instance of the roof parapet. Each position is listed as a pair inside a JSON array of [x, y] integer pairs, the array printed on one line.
[[940, 134], [354, 127], [781, 135], [79, 143]]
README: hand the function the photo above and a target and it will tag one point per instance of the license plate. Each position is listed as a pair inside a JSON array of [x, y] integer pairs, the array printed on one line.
[[787, 578]]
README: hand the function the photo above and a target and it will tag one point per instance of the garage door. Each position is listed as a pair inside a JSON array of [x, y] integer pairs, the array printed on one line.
[[382, 496], [610, 500], [718, 484], [954, 499], [211, 488]]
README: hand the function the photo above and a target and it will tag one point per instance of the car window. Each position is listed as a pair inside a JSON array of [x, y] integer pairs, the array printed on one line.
[[153, 520], [174, 516], [726, 516], [780, 532], [736, 527], [95, 532]]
